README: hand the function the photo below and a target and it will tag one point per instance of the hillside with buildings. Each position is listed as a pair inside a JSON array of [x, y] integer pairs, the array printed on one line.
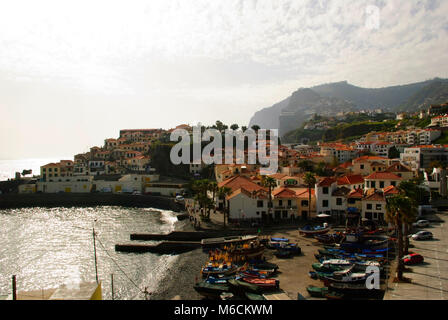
[[334, 98]]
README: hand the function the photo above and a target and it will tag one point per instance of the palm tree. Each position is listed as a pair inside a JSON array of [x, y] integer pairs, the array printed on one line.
[[234, 126], [396, 211], [223, 192], [310, 181], [200, 188], [411, 190], [269, 183]]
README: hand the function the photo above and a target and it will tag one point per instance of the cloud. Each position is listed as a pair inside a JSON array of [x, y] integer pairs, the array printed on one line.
[[229, 54]]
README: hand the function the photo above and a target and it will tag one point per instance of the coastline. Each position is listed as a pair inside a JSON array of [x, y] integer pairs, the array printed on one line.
[[181, 276], [48, 200]]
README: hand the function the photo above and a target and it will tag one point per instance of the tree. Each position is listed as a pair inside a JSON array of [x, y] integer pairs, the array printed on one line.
[[220, 126], [269, 183], [412, 191], [234, 126], [256, 127], [393, 153], [223, 192], [306, 165], [244, 128], [200, 188], [397, 209], [310, 181]]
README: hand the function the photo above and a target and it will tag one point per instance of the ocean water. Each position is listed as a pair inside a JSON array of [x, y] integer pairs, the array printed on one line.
[[8, 168], [48, 247]]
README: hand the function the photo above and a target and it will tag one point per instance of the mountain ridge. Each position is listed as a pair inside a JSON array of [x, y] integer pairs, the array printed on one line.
[[348, 97]]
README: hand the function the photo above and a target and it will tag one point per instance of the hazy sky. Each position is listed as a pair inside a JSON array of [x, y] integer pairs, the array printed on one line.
[[75, 72]]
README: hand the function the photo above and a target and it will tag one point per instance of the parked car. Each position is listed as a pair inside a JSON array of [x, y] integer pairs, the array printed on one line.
[[422, 235], [413, 258], [421, 224], [179, 199], [137, 193]]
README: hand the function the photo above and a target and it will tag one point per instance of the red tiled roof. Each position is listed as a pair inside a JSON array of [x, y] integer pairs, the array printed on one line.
[[357, 193], [237, 182], [391, 190], [376, 196], [326, 182], [383, 176], [277, 176], [398, 167], [369, 158], [283, 193], [351, 179]]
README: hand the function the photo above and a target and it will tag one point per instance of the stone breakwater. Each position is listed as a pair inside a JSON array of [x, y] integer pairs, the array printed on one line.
[[14, 201]]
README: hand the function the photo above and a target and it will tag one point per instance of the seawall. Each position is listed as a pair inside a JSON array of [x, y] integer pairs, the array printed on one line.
[[13, 201]]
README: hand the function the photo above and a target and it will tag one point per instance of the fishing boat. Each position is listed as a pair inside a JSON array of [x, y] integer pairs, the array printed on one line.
[[263, 283], [256, 274], [222, 269], [333, 295], [332, 265], [228, 296], [258, 265], [317, 292], [239, 286], [254, 296], [347, 276], [274, 243], [283, 254], [309, 231], [218, 280], [218, 242], [250, 252], [209, 290], [328, 238]]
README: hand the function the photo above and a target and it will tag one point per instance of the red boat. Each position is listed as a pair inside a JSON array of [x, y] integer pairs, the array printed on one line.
[[314, 231], [264, 283]]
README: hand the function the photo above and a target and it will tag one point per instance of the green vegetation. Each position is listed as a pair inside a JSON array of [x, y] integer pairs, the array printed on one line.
[[352, 126], [443, 139], [434, 93], [345, 131]]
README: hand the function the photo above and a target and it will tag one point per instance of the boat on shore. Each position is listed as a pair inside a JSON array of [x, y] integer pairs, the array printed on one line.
[[317, 292], [347, 276], [266, 284], [239, 286], [221, 270], [218, 242], [209, 290], [309, 231]]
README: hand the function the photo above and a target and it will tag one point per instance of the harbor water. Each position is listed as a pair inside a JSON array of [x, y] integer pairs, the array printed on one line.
[[48, 247]]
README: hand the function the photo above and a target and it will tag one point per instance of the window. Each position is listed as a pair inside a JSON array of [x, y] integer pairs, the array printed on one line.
[[325, 190], [289, 203], [378, 206], [372, 184], [325, 203], [381, 184], [339, 201], [280, 202], [369, 206], [393, 183], [259, 203], [361, 166], [304, 203]]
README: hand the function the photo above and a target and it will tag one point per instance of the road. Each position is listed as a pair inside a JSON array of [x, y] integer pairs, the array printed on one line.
[[429, 280]]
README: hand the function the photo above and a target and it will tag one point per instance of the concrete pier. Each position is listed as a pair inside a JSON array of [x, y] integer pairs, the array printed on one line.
[[166, 247], [13, 201], [187, 236]]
